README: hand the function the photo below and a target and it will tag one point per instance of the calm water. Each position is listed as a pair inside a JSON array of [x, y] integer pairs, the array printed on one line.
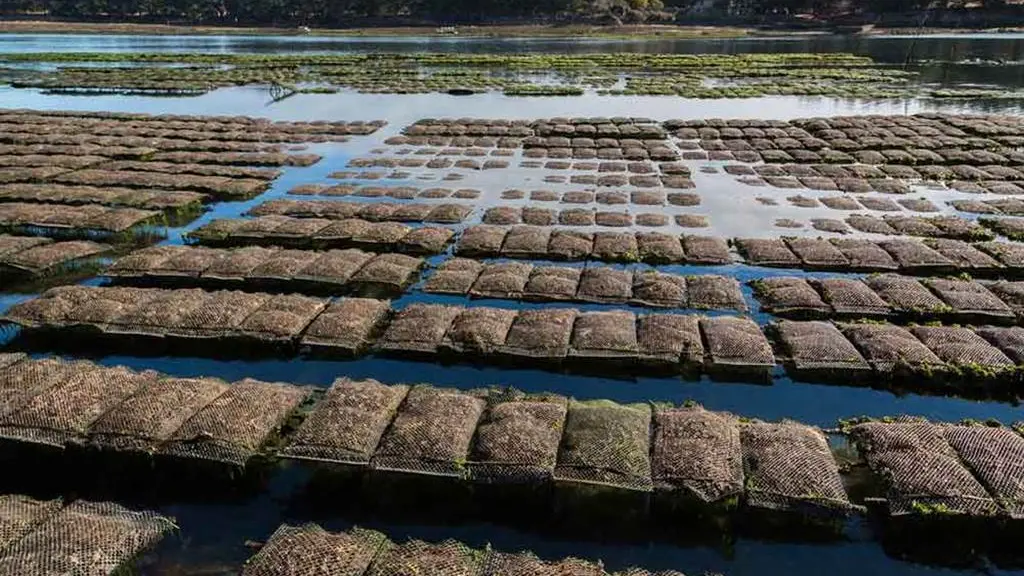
[[212, 536], [887, 49]]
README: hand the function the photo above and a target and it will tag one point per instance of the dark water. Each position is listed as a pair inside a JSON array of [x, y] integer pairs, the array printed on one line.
[[212, 536]]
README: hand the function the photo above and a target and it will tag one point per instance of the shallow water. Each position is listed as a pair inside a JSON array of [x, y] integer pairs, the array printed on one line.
[[212, 536], [886, 49]]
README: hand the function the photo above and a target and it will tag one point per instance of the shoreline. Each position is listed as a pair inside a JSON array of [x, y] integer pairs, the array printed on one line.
[[469, 31], [639, 32]]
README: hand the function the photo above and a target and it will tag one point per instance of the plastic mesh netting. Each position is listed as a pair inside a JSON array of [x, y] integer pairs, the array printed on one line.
[[963, 255], [670, 339], [283, 265], [604, 335], [541, 334], [870, 224], [570, 244], [220, 314], [706, 250], [642, 572], [605, 284], [282, 317], [697, 452], [528, 564], [334, 267], [478, 330], [735, 341], [1009, 341], [888, 348], [912, 254], [418, 328], [616, 246], [711, 292], [996, 456], [817, 253], [238, 263], [905, 294], [517, 438], [309, 550], [789, 467], [431, 434], [154, 413], [819, 346], [502, 280], [190, 262], [848, 296], [653, 288], [65, 410], [969, 298], [921, 470], [1011, 293], [658, 248], [19, 515], [767, 252], [45, 257], [556, 283], [167, 308], [13, 244], [233, 427], [448, 558], [1010, 254], [608, 444], [481, 240], [8, 359], [347, 325], [347, 425], [216, 230], [119, 219], [526, 242], [55, 307], [454, 276], [962, 347], [789, 296], [864, 254], [23, 380], [85, 538]]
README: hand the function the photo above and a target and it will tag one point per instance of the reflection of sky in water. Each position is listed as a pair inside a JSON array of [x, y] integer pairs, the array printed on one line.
[[213, 535], [400, 110]]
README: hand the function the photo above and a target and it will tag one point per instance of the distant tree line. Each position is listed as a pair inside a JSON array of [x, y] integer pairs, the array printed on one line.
[[335, 13]]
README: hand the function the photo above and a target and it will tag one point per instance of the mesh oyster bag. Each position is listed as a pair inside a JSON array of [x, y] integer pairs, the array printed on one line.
[[64, 411], [698, 453], [234, 427], [608, 444], [448, 558], [149, 417], [19, 515], [309, 550], [517, 438], [920, 469], [790, 468], [431, 434], [347, 424], [528, 564], [88, 538]]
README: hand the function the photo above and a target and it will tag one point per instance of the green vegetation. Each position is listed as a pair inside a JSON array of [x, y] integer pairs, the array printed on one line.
[[932, 509], [974, 371]]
